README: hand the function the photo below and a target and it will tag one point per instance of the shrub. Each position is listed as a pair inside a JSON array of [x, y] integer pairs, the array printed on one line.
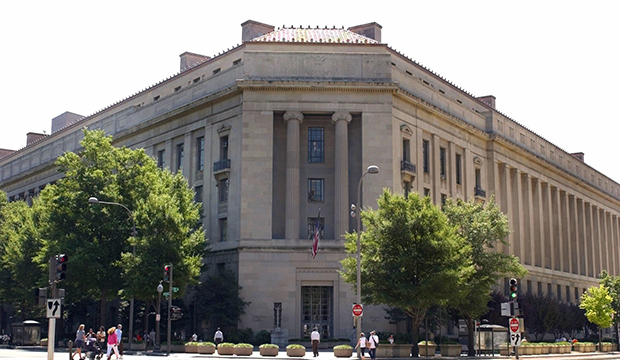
[[225, 344], [429, 343], [262, 337], [191, 343], [207, 343], [269, 346], [343, 347], [244, 345], [295, 346]]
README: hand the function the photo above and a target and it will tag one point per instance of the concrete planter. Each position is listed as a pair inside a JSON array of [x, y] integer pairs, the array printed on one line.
[[427, 350], [206, 349], [296, 352], [526, 350], [226, 350], [343, 352], [268, 351], [450, 350], [191, 349], [504, 350], [401, 350], [386, 351], [243, 351]]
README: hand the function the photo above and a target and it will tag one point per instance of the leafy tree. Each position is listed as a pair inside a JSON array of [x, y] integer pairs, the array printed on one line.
[[218, 301], [612, 283], [19, 243], [97, 238], [484, 227], [412, 258], [540, 313], [597, 304]]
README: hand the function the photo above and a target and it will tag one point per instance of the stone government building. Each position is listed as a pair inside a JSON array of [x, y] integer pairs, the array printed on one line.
[[272, 130]]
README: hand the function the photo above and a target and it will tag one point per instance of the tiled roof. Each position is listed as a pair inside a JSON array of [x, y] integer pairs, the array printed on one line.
[[315, 35]]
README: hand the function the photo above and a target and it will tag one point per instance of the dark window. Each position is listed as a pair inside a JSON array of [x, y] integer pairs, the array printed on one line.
[[444, 197], [427, 192], [177, 88], [529, 286], [442, 162], [223, 227], [568, 294], [216, 71], [196, 80], [549, 290], [540, 292], [478, 178], [316, 144], [312, 226], [425, 156], [156, 98], [406, 188], [406, 155], [200, 153], [559, 293], [277, 315], [458, 169], [223, 189], [161, 159], [180, 155], [237, 62], [316, 190], [224, 147], [198, 194]]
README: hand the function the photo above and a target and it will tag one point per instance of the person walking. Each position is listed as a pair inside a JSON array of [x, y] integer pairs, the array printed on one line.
[[315, 337], [218, 337], [152, 339], [112, 342], [374, 342], [80, 335], [361, 343], [101, 337], [119, 335]]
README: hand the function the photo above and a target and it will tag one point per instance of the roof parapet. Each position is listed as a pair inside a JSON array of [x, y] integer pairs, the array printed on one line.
[[371, 30], [252, 29]]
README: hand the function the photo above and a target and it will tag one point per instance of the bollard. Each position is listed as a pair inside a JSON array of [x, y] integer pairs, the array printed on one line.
[[70, 345]]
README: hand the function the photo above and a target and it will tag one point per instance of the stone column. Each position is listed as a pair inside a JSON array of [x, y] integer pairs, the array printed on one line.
[[452, 170], [168, 155], [528, 219], [188, 159], [557, 256], [582, 256], [505, 187], [435, 170], [574, 242], [292, 222], [590, 236], [517, 214], [615, 242], [341, 121]]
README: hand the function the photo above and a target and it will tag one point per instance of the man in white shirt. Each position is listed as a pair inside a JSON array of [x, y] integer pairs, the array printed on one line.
[[119, 335], [374, 342], [315, 337], [219, 337]]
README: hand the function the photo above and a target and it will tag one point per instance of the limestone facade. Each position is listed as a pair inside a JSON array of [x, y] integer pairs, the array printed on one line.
[[283, 125]]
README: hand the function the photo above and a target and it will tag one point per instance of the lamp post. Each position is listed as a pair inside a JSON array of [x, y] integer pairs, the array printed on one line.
[[355, 212], [160, 288], [94, 200]]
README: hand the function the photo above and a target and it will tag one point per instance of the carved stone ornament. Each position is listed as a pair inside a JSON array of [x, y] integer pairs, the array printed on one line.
[[223, 128], [406, 129], [477, 161], [294, 115], [342, 115]]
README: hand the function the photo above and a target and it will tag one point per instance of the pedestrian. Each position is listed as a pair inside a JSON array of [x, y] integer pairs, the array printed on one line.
[[101, 337], [91, 333], [119, 335], [152, 337], [391, 339], [218, 337], [361, 343], [374, 342], [112, 342], [195, 338], [315, 337], [80, 335]]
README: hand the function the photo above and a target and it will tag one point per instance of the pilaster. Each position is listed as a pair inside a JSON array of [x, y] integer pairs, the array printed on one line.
[[341, 121], [293, 120]]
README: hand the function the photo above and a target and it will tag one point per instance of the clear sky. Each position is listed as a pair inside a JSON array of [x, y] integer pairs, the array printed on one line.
[[554, 66]]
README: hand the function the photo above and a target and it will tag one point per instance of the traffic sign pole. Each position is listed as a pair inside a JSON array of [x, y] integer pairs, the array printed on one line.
[[358, 310]]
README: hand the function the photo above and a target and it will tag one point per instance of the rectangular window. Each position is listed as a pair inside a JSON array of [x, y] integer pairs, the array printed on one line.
[[425, 156], [316, 191], [316, 145], [559, 293], [444, 197], [427, 192], [223, 228], [200, 153], [161, 159], [224, 147], [540, 292], [577, 295], [442, 162], [277, 315], [478, 179], [198, 194], [459, 179], [180, 155], [223, 189], [406, 155], [568, 294], [549, 290], [529, 286], [312, 226]]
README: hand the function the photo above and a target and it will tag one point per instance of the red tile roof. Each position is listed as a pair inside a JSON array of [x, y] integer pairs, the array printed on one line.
[[316, 35]]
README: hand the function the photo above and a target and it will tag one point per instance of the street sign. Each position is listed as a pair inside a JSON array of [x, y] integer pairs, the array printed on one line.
[[358, 309], [515, 339], [506, 309], [514, 325], [53, 308]]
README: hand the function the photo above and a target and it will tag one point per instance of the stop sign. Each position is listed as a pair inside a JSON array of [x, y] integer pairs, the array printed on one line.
[[358, 309], [514, 325]]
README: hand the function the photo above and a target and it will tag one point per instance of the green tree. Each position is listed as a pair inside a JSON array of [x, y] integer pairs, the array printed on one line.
[[484, 227], [412, 258], [540, 314], [597, 304], [19, 243], [97, 238], [612, 283]]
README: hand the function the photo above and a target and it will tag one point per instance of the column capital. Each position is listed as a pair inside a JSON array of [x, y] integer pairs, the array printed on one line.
[[342, 115], [294, 115]]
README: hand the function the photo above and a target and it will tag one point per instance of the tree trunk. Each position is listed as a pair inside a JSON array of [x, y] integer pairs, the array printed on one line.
[[471, 342], [102, 307], [415, 336]]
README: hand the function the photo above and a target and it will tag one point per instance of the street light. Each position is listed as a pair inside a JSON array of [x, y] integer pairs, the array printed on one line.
[[160, 288], [94, 200], [355, 212]]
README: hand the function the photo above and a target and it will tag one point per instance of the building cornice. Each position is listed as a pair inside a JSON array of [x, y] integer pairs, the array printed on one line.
[[316, 86]]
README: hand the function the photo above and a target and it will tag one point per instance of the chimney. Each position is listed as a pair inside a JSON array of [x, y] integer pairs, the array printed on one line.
[[371, 30], [189, 60], [63, 120], [5, 152], [32, 137], [578, 155], [252, 29], [489, 100]]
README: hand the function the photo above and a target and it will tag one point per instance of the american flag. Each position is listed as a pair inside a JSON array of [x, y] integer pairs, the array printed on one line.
[[317, 235]]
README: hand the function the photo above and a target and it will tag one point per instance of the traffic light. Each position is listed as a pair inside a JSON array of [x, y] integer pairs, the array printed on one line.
[[513, 289], [61, 267], [175, 313], [167, 269]]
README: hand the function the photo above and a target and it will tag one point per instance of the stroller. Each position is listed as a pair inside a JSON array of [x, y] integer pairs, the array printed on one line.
[[93, 349]]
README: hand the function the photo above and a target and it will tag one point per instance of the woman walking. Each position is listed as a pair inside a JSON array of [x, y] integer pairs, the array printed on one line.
[[362, 344], [79, 341], [112, 342]]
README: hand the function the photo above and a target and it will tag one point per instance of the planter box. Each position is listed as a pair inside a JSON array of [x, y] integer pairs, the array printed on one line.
[[386, 351], [191, 349], [526, 350], [137, 346], [173, 348], [226, 350], [401, 350], [544, 349], [206, 349], [243, 351], [504, 350], [296, 352], [343, 352], [536, 350], [450, 350], [427, 350], [269, 351]]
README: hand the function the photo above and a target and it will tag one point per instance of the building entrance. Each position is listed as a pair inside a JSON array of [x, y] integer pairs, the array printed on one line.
[[317, 310]]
